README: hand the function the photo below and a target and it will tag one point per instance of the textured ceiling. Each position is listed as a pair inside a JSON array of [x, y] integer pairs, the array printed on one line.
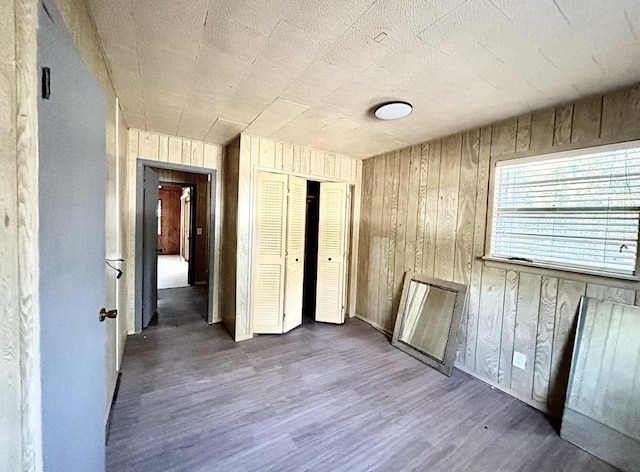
[[309, 71]]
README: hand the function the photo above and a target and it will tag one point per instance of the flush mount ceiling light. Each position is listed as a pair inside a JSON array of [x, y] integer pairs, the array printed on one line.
[[393, 110]]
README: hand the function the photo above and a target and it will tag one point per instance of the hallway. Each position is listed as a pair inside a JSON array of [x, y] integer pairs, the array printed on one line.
[[321, 398], [173, 271]]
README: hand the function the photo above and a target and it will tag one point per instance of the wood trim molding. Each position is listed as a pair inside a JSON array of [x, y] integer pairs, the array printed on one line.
[[26, 123]]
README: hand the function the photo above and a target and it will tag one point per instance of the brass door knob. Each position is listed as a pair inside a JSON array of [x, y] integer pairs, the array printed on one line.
[[107, 314]]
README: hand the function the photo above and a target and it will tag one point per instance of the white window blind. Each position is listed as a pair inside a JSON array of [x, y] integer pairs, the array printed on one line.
[[575, 211]]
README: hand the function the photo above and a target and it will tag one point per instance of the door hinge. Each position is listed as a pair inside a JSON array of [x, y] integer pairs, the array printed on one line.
[[284, 315]]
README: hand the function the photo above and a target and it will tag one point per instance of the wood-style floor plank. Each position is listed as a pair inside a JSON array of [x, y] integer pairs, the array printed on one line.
[[320, 398]]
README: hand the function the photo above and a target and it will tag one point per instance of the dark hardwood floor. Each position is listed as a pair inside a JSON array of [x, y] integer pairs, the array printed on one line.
[[320, 398]]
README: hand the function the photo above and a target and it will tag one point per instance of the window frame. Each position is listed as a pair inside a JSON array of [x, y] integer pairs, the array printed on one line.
[[546, 154]]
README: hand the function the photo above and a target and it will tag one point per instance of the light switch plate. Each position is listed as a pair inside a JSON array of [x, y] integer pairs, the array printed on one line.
[[519, 360], [199, 231]]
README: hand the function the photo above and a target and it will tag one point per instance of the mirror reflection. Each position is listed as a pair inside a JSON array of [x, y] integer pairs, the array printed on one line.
[[427, 319]]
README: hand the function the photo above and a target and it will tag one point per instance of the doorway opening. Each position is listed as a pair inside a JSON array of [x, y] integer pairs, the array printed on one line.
[[176, 224], [311, 252], [174, 244]]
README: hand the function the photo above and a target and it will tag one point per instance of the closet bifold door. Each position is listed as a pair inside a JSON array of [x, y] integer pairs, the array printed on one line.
[[332, 244], [269, 253], [294, 270]]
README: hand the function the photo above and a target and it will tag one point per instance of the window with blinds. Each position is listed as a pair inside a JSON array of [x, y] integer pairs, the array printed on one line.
[[578, 211]]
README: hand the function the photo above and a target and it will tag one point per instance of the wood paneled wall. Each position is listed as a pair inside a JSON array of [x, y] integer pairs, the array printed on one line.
[[169, 237], [257, 153], [20, 406], [424, 208], [172, 149], [229, 248]]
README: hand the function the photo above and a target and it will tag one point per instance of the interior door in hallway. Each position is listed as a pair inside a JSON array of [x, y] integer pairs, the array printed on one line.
[[149, 246], [72, 180], [332, 252]]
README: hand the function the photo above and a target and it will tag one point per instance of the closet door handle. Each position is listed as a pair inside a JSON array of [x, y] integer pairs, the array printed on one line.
[[329, 258], [296, 259]]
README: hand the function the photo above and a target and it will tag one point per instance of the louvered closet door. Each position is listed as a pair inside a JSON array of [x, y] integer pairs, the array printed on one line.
[[294, 272], [332, 233], [269, 269]]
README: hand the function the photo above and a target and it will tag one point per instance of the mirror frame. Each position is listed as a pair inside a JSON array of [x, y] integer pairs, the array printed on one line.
[[445, 366]]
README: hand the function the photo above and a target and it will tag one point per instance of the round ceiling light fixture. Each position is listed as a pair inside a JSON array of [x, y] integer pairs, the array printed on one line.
[[393, 110]]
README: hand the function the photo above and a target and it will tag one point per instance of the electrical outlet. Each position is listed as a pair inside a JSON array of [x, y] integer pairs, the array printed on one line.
[[519, 360], [199, 231]]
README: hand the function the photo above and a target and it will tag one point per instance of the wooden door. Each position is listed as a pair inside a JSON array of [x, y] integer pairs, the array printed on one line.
[[269, 253], [71, 199], [294, 271], [149, 246], [332, 251]]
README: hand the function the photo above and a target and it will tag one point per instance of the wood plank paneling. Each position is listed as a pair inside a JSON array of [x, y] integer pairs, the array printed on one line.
[[587, 115], [509, 312], [305, 161], [412, 209], [431, 221], [498, 321], [525, 333], [266, 153], [523, 138], [197, 154], [376, 243], [422, 208], [149, 146], [186, 152], [316, 162], [20, 426], [448, 207], [544, 338], [393, 172], [569, 293], [620, 113], [542, 128], [400, 237], [503, 140], [563, 125], [490, 323], [329, 165], [478, 246], [366, 231], [169, 237], [163, 148], [287, 158], [175, 150], [278, 157], [467, 194]]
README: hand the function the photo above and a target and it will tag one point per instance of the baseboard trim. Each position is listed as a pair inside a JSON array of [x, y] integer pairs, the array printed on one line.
[[244, 338]]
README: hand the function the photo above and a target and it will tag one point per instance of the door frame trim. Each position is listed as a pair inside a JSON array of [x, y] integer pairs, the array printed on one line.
[[138, 255]]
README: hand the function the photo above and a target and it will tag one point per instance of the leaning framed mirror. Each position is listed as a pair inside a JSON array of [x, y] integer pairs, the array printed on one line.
[[428, 320]]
